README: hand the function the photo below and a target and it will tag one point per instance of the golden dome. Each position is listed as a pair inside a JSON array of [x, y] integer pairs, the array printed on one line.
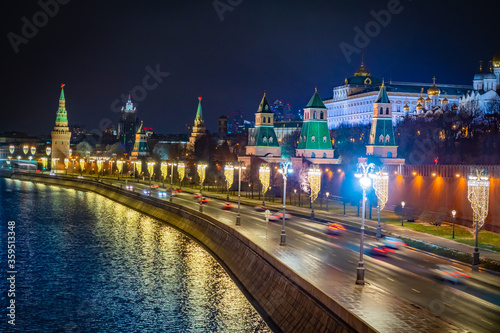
[[445, 100], [428, 100], [362, 71], [419, 106], [420, 100], [496, 60], [432, 91], [406, 107]]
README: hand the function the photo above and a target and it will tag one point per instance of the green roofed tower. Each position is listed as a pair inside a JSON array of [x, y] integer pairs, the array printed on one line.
[[199, 125], [141, 147], [382, 141], [315, 141], [61, 135], [263, 141]]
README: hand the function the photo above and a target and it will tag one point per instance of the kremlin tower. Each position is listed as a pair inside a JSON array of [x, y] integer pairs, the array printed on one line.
[[60, 135], [199, 125], [141, 147]]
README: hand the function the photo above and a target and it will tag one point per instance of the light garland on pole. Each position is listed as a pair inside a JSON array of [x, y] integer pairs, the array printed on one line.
[[138, 166], [201, 173], [26, 149], [181, 170], [314, 178], [229, 175], [381, 186], [119, 166], [66, 164], [164, 171], [44, 163], [264, 177], [151, 166], [479, 196]]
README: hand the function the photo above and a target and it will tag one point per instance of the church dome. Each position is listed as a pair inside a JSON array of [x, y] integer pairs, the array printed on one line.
[[362, 71], [406, 107], [490, 76], [445, 100], [479, 76], [432, 91], [496, 60], [428, 100], [420, 100], [419, 106]]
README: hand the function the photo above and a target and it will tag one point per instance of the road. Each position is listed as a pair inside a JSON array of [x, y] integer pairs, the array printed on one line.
[[407, 274]]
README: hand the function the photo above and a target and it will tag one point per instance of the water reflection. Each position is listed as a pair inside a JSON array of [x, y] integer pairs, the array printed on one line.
[[87, 264]]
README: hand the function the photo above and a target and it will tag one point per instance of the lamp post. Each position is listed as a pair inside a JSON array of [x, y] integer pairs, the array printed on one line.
[[201, 172], [453, 213], [314, 177], [327, 195], [264, 176], [478, 195], [151, 166], [365, 182], [403, 212], [284, 170], [181, 170], [229, 175], [381, 186], [240, 167]]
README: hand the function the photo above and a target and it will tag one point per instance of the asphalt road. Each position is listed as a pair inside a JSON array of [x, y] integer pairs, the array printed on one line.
[[473, 305]]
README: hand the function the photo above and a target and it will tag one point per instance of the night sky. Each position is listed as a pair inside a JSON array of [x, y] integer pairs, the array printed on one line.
[[101, 49]]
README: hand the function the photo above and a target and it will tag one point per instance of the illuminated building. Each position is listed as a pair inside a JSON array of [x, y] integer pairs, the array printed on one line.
[[199, 126], [141, 147], [352, 103], [61, 135], [128, 125]]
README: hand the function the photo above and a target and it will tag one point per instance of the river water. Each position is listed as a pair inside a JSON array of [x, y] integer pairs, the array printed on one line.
[[87, 264]]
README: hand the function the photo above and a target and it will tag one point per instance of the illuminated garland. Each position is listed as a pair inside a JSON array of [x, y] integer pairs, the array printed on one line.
[[478, 195], [119, 166], [381, 186], [229, 174], [181, 170], [99, 165], [264, 176], [164, 170], [66, 163], [44, 162], [201, 172], [151, 166], [138, 166], [25, 149], [82, 164], [314, 177]]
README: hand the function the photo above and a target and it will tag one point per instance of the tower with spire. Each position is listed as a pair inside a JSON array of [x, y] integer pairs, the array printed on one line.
[[263, 141], [199, 125], [141, 147], [61, 135], [128, 125], [315, 141], [382, 142]]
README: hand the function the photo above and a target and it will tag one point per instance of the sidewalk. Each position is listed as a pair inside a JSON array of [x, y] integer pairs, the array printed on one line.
[[370, 225]]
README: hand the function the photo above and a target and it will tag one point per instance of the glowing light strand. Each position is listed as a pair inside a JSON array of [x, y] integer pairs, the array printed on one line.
[[478, 195], [229, 174]]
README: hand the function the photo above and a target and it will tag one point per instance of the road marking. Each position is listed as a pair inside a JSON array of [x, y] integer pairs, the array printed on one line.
[[335, 267], [390, 279], [415, 290]]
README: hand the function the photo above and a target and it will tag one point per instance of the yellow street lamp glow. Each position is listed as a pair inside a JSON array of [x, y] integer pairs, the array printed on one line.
[[264, 177], [229, 175], [44, 162], [66, 163], [181, 170], [99, 165], [151, 166], [12, 149], [82, 163], [48, 151], [71, 152], [26, 149], [119, 166], [164, 170], [138, 166], [33, 150], [201, 167]]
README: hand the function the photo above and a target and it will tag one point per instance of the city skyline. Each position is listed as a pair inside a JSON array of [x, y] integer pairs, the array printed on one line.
[[103, 54]]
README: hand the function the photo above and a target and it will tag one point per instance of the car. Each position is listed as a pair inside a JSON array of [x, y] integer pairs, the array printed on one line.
[[197, 195], [393, 243], [204, 200], [129, 187], [52, 174], [450, 273], [178, 190], [379, 249], [287, 216], [261, 208], [174, 193], [80, 177], [227, 206], [274, 218], [146, 192], [162, 194], [335, 228], [154, 186]]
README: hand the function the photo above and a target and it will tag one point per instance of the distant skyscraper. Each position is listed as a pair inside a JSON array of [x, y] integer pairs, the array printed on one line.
[[141, 147], [223, 126], [199, 125], [61, 135], [128, 125]]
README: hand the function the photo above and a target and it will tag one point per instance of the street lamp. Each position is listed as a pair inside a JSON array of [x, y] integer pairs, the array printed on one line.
[[264, 176], [240, 167], [181, 170], [327, 195], [453, 213], [479, 196], [403, 212], [229, 175], [381, 187], [284, 170], [365, 182], [314, 177], [201, 173], [151, 166]]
